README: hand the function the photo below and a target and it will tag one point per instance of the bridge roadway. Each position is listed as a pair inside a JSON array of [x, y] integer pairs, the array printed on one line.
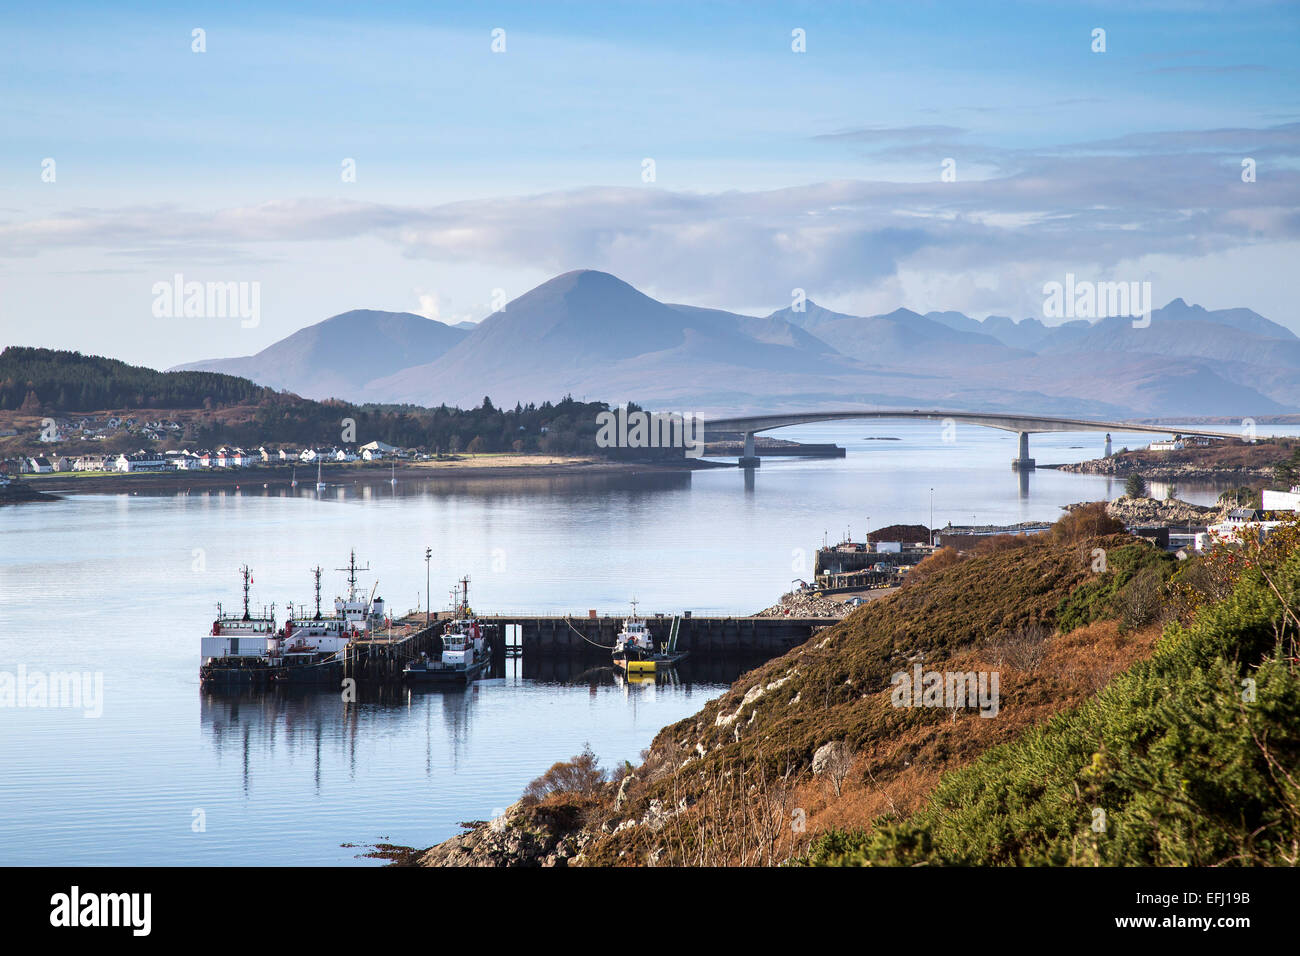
[[1025, 425]]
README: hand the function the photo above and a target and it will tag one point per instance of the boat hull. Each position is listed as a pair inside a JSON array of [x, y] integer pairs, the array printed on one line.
[[648, 663], [223, 674], [446, 675]]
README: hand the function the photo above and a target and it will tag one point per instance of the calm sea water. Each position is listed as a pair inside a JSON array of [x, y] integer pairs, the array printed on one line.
[[124, 586]]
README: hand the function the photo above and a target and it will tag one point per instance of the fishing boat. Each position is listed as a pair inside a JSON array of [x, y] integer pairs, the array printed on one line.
[[464, 652], [238, 640], [309, 648], [634, 648]]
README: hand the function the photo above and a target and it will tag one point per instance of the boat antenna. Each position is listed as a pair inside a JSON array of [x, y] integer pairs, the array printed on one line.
[[352, 570]]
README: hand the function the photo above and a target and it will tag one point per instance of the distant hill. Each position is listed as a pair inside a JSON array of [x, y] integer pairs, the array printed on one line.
[[335, 358], [588, 333], [901, 338], [211, 408], [63, 381]]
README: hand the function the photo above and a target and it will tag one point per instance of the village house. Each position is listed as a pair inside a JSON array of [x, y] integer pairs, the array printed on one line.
[[1281, 500], [1240, 525], [141, 461], [384, 450]]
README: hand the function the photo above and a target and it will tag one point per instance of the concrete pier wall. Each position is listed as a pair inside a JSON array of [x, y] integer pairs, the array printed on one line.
[[702, 636]]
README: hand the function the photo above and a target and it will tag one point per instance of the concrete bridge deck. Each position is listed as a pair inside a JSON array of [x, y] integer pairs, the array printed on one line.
[[1025, 425]]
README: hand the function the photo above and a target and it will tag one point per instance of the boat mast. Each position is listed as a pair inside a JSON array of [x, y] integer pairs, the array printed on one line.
[[317, 572], [244, 570], [352, 570]]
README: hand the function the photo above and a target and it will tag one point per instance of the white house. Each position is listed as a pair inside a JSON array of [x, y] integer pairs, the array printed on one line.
[[1240, 525], [41, 466], [372, 454], [382, 447], [1281, 500], [141, 461]]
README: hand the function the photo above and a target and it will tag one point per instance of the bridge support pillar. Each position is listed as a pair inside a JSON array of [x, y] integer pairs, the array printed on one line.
[[749, 459], [1024, 462]]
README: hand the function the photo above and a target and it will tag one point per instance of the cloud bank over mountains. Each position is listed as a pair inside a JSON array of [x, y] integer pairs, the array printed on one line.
[[589, 334], [1110, 209]]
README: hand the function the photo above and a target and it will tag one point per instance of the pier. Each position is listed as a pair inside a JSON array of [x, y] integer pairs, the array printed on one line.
[[533, 637], [560, 635], [537, 638]]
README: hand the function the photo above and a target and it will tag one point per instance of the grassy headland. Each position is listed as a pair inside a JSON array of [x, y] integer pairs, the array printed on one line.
[[1120, 689]]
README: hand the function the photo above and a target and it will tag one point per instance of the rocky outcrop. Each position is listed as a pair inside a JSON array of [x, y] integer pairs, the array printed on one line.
[[1121, 466], [831, 755], [1151, 513], [19, 492], [522, 836]]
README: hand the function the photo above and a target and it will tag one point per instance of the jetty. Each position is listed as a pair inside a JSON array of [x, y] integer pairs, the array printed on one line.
[[380, 657]]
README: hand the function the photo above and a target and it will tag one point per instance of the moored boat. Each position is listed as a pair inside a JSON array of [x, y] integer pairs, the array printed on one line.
[[309, 647], [465, 650], [634, 648]]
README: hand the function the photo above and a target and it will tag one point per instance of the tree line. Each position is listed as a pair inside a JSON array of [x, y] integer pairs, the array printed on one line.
[[228, 410]]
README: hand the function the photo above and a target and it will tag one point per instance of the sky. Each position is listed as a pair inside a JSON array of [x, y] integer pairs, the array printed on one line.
[[924, 155]]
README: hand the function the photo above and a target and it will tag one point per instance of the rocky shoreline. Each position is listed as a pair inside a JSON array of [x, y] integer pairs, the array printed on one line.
[[280, 476], [20, 492], [1116, 467]]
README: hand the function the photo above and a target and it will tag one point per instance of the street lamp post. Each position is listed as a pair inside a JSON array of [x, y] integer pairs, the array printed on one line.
[[428, 598]]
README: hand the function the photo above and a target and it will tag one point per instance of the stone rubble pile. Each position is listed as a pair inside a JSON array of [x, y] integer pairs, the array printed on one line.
[[803, 604]]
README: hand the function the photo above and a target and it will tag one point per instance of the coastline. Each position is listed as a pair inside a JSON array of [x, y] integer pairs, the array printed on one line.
[[465, 469]]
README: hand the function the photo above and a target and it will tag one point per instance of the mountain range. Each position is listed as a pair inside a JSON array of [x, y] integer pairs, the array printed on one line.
[[590, 334]]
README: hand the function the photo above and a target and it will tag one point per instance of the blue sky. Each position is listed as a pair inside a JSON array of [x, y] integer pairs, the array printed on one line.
[[479, 171]]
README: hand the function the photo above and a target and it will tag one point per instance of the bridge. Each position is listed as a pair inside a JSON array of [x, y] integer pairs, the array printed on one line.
[[1025, 425]]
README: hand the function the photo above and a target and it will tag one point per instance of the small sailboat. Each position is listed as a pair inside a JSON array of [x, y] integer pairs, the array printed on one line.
[[319, 483], [293, 483], [393, 480]]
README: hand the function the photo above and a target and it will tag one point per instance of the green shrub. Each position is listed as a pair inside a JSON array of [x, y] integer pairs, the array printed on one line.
[[1181, 761]]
